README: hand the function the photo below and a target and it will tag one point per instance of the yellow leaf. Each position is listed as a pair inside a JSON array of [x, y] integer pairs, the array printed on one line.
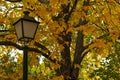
[[76, 66], [56, 66], [58, 77]]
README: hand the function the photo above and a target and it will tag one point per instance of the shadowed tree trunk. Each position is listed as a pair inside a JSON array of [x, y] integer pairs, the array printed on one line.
[[67, 68], [77, 57]]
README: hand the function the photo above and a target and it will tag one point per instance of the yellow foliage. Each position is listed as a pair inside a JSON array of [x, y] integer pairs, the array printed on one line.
[[114, 34], [76, 66], [103, 17], [99, 0], [56, 66], [58, 77], [1, 70], [101, 46]]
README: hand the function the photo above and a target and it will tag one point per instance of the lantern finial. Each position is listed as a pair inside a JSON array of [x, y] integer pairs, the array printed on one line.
[[26, 12]]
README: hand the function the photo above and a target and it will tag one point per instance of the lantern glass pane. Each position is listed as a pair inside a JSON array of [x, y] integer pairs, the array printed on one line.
[[29, 29], [18, 28]]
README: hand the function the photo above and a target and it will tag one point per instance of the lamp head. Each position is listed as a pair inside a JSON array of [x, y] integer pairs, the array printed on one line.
[[26, 27]]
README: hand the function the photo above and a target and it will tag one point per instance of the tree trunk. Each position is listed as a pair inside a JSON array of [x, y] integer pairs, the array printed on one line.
[[77, 57], [67, 68]]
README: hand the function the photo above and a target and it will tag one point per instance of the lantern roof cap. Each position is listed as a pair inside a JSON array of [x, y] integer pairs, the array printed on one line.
[[27, 17]]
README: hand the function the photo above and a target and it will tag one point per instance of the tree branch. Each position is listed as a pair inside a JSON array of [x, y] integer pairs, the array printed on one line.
[[78, 52], [79, 45], [13, 0], [42, 47], [6, 30], [70, 12], [9, 43]]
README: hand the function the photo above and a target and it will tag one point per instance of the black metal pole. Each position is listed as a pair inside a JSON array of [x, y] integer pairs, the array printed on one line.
[[25, 63]]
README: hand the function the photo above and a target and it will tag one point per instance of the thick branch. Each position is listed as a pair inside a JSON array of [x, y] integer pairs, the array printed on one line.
[[79, 45], [42, 47], [65, 68], [42, 53], [13, 0], [71, 11], [6, 30], [9, 43], [78, 52], [44, 1]]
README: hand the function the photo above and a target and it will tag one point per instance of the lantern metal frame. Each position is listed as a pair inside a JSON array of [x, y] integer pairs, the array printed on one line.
[[22, 32]]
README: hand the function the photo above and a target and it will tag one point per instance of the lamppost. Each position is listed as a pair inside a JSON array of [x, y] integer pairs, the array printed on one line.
[[25, 29]]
